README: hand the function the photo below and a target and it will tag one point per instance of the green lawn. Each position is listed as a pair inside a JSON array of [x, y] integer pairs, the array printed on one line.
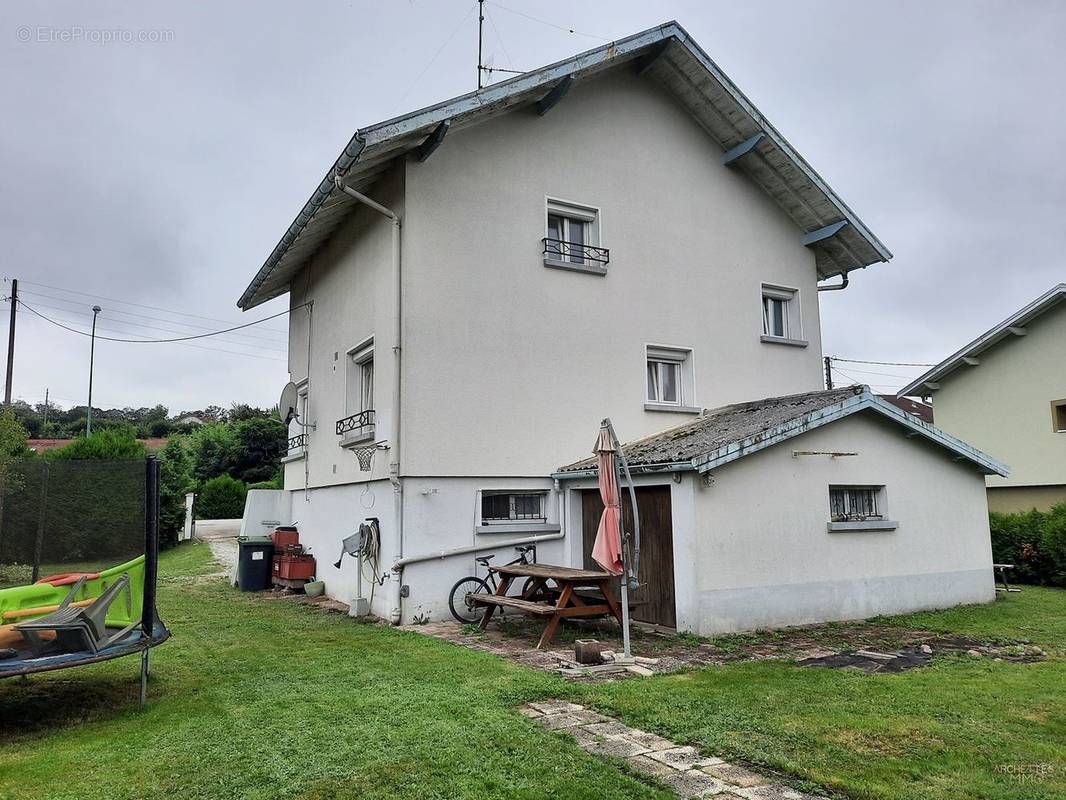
[[260, 699]]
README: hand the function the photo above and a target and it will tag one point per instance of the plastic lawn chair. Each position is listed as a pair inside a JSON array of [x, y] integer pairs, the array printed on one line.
[[77, 629]]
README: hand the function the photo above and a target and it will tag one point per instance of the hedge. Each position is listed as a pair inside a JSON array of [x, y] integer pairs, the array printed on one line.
[[221, 498], [1035, 542]]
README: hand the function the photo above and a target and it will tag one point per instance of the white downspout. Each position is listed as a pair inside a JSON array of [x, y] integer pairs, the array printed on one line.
[[396, 610]]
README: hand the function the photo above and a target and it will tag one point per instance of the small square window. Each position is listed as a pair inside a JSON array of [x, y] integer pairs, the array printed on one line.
[[1058, 415], [669, 384], [780, 313], [573, 237], [508, 506], [855, 503]]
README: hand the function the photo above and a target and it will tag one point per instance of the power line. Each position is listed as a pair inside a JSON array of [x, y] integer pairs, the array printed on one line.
[[136, 327], [177, 343], [162, 341], [80, 306], [545, 22], [440, 50], [131, 303], [879, 363]]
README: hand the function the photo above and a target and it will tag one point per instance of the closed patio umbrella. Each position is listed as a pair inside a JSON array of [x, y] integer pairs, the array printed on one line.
[[610, 548]]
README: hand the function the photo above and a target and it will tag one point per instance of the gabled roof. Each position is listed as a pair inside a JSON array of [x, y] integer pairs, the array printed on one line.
[[1014, 325], [666, 55], [721, 435]]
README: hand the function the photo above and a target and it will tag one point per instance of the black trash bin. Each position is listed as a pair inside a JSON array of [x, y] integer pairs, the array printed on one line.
[[253, 563]]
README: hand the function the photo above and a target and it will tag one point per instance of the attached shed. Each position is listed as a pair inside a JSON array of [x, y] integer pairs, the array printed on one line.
[[821, 506]]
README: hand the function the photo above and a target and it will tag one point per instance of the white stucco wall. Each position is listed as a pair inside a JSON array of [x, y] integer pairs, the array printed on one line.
[[764, 557], [509, 365], [1003, 405]]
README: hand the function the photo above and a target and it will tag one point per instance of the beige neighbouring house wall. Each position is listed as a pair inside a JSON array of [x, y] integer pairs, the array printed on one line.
[[1003, 406]]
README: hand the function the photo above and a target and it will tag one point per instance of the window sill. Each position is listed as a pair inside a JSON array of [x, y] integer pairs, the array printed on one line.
[[295, 455], [356, 439], [517, 527], [866, 525], [669, 407], [782, 340], [590, 269]]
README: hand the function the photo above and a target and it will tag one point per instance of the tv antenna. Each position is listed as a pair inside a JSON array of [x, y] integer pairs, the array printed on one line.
[[484, 69]]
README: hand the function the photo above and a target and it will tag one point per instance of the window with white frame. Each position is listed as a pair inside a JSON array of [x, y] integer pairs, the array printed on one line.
[[573, 237], [780, 313], [668, 377], [508, 506], [297, 432], [359, 392], [856, 503]]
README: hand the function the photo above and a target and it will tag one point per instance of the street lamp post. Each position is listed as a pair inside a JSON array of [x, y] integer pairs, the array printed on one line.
[[92, 353]]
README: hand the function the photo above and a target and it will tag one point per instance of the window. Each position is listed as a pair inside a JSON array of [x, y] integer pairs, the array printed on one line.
[[780, 314], [854, 503], [359, 395], [297, 432], [1058, 416], [506, 506], [573, 237], [668, 378]]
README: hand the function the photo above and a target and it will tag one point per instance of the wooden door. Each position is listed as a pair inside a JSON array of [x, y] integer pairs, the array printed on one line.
[[655, 598]]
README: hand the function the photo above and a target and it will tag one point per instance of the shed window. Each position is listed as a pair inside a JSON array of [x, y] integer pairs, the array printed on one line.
[[855, 503]]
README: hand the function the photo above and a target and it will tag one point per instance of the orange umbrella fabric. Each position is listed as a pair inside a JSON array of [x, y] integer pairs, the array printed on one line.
[[607, 549]]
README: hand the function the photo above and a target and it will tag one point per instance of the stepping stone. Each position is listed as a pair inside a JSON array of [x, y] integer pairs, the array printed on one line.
[[610, 729], [556, 707], [773, 792], [683, 758], [693, 783], [736, 775], [555, 722], [606, 745], [649, 766], [532, 713], [650, 740]]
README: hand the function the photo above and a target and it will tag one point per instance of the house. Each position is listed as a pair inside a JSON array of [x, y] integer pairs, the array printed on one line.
[[473, 286], [1005, 392], [922, 411]]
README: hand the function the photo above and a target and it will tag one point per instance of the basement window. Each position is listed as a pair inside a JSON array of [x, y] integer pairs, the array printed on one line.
[[1058, 415], [508, 506]]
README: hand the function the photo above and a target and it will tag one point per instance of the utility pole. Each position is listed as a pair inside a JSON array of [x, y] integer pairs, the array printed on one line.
[[92, 354], [480, 27], [11, 341], [828, 372], [44, 425]]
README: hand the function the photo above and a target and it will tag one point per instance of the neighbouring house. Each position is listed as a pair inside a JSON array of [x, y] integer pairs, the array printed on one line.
[[1005, 392], [476, 284], [922, 411]]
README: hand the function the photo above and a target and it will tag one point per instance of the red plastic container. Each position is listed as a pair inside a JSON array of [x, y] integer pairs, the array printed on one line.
[[283, 538], [294, 568]]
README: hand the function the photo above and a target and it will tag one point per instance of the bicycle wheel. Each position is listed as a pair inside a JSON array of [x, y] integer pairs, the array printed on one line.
[[462, 609], [548, 586]]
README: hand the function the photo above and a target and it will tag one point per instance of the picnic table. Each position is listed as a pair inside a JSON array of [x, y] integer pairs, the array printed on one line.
[[555, 603]]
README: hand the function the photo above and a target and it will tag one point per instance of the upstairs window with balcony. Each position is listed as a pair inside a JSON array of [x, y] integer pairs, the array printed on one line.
[[297, 431], [358, 424], [573, 239]]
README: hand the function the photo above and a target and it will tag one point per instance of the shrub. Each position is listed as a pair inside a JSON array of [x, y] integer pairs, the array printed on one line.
[[1034, 541], [221, 498], [110, 444], [175, 479]]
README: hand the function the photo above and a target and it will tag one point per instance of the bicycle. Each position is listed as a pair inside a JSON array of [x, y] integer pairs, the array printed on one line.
[[467, 612]]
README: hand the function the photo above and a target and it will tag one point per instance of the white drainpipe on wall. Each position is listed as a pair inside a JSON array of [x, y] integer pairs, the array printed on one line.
[[396, 610]]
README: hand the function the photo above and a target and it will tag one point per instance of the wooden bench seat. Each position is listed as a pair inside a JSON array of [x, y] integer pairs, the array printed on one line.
[[511, 602]]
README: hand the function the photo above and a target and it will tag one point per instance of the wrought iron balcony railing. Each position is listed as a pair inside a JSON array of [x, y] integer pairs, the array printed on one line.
[[360, 423], [300, 440], [575, 253]]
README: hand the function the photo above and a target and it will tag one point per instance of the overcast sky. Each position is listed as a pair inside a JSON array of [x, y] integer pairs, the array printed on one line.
[[162, 172]]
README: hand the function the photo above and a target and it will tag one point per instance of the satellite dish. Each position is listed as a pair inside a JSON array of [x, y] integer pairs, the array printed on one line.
[[287, 405]]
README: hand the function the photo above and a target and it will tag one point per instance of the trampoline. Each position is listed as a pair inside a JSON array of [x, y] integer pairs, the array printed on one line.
[[83, 616]]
